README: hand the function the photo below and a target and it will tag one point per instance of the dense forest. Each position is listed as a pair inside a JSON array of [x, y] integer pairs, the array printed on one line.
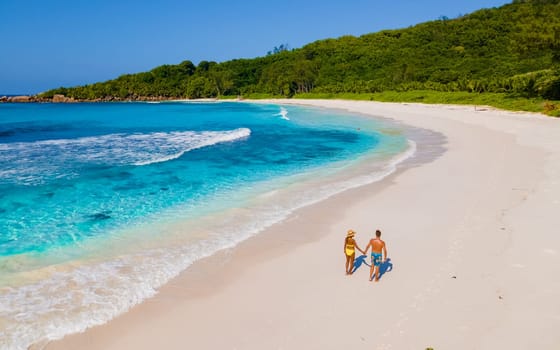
[[512, 49]]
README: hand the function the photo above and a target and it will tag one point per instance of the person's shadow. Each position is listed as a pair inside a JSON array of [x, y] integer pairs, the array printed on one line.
[[385, 266], [359, 261]]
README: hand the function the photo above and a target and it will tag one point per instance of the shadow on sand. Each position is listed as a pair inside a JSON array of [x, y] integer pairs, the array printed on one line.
[[359, 261], [386, 266]]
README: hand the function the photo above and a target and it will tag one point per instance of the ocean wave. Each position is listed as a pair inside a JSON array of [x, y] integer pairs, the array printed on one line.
[[80, 297], [283, 114], [31, 162]]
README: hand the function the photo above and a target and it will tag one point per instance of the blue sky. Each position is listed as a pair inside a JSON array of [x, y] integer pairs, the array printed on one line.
[[47, 44]]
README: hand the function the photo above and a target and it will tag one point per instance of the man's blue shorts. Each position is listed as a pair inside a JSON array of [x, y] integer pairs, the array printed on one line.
[[376, 259]]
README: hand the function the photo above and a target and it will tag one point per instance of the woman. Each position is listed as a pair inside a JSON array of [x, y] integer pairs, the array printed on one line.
[[350, 247]]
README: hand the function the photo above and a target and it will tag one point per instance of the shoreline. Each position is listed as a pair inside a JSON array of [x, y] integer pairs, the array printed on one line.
[[301, 275], [155, 265]]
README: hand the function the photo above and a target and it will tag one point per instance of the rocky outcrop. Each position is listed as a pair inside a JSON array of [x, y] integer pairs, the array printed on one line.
[[19, 99], [62, 99], [59, 98]]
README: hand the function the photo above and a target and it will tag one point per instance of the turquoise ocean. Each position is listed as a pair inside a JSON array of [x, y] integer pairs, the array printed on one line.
[[101, 204]]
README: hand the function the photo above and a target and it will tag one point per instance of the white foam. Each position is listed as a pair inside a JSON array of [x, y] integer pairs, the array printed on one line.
[[78, 297], [32, 162], [283, 113], [200, 140]]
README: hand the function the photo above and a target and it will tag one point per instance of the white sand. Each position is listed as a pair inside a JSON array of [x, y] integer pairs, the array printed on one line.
[[473, 237]]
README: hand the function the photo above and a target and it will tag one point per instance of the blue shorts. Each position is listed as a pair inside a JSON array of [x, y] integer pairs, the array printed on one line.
[[376, 259]]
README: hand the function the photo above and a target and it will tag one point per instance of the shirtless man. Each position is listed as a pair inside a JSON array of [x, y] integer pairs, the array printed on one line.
[[377, 248]]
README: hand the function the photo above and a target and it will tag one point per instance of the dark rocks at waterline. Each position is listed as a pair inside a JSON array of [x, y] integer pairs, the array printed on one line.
[[62, 99], [19, 99], [22, 99], [58, 98]]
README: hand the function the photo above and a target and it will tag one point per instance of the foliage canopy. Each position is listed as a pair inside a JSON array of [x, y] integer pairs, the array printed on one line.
[[513, 49]]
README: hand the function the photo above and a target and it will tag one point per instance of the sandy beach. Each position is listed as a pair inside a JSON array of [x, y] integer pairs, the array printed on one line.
[[472, 236]]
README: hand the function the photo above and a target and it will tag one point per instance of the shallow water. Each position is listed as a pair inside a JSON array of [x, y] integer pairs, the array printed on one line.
[[100, 204]]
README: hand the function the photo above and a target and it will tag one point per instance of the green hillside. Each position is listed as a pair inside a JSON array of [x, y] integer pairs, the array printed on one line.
[[512, 51]]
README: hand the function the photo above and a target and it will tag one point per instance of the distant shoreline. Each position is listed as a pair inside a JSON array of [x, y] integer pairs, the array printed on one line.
[[473, 100]]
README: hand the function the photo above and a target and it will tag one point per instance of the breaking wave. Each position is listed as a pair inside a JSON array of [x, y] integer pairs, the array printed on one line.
[[33, 162]]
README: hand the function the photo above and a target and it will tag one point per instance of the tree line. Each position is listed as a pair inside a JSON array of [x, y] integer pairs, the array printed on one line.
[[512, 49]]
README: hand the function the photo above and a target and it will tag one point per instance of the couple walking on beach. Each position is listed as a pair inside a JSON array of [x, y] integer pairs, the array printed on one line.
[[378, 253]]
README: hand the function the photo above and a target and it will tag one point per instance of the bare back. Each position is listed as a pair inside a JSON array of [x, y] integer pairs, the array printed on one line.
[[377, 245]]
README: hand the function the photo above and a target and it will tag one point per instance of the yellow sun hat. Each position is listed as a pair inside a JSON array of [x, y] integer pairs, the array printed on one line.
[[350, 233]]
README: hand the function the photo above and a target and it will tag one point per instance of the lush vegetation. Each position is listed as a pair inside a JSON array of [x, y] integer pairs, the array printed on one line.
[[511, 52], [498, 100]]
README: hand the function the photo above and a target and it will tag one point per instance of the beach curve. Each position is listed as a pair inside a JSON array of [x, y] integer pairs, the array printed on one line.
[[456, 230]]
